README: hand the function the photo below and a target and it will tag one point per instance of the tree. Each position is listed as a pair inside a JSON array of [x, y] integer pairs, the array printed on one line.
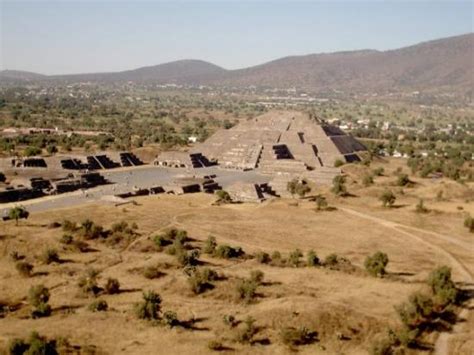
[[312, 259], [388, 198], [403, 180], [17, 212], [294, 258], [38, 297], [112, 286], [376, 264], [339, 185], [298, 187], [442, 285]]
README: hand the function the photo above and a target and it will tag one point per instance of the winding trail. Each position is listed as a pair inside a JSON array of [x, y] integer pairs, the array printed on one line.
[[441, 346]]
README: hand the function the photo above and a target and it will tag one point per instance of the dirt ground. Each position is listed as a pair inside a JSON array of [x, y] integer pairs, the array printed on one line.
[[347, 308]]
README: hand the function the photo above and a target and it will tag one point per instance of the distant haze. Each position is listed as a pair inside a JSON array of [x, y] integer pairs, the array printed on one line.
[[90, 36]]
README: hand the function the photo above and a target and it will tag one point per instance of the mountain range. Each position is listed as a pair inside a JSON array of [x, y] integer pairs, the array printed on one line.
[[444, 65]]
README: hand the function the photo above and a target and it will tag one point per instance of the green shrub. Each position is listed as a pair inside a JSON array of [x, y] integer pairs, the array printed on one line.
[[469, 223], [420, 207], [150, 307], [367, 180], [263, 257], [257, 276], [403, 180], [88, 282], [379, 171], [298, 187], [112, 286], [228, 252], [188, 258], [170, 319], [382, 347], [66, 239], [321, 203], [339, 185], [247, 332], [24, 269], [215, 345], [35, 345], [152, 272], [442, 286], [331, 260], [338, 163], [38, 297], [417, 311], [69, 226], [223, 196], [210, 245], [230, 320], [375, 264], [312, 259], [200, 279], [98, 306], [49, 256], [388, 198], [296, 336], [294, 258], [246, 290], [276, 258]]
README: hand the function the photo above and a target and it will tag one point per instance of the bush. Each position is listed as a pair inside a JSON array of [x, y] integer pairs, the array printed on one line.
[[321, 203], [228, 252], [263, 257], [469, 223], [150, 308], [388, 198], [38, 297], [312, 259], [257, 276], [442, 286], [420, 207], [69, 226], [403, 180], [49, 256], [375, 264], [247, 333], [367, 180], [298, 187], [338, 163], [66, 239], [210, 245], [90, 230], [296, 336], [416, 312], [88, 282], [339, 185], [294, 258], [277, 260], [35, 345], [331, 260], [215, 345], [112, 286], [170, 319], [98, 306], [200, 280], [188, 258], [223, 196], [246, 290], [25, 269], [382, 347], [230, 320], [378, 171], [151, 272]]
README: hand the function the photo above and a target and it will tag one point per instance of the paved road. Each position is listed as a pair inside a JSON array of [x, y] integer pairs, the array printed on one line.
[[126, 180]]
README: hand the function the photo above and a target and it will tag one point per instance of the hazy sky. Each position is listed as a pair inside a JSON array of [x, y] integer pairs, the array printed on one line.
[[54, 37]]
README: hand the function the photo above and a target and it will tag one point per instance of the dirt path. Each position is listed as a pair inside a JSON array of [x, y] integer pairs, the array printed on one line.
[[441, 346]]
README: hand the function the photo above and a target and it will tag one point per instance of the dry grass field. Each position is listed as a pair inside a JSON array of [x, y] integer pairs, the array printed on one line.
[[346, 307]]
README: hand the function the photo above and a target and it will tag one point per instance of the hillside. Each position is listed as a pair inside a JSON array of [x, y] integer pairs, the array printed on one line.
[[444, 65]]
